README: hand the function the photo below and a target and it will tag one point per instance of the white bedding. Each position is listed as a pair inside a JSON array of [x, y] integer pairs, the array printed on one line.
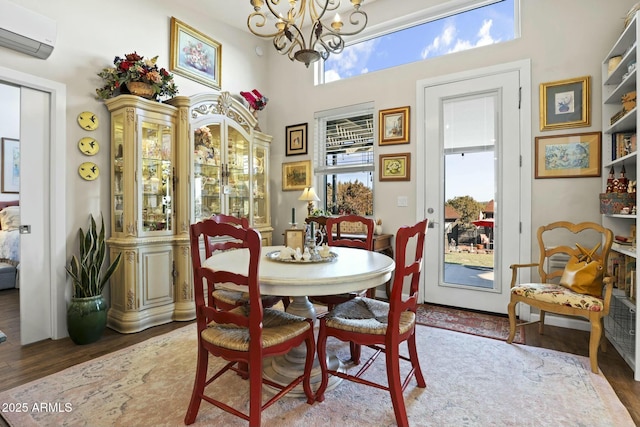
[[10, 246]]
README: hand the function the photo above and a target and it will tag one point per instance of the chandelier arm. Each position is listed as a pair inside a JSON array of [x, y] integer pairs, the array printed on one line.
[[259, 21]]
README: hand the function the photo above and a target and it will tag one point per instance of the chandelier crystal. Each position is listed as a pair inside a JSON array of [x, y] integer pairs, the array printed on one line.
[[288, 26]]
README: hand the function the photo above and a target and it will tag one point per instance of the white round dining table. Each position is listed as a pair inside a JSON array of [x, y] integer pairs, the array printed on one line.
[[350, 270]]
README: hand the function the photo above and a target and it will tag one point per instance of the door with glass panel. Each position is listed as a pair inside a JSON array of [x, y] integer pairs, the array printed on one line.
[[472, 182]]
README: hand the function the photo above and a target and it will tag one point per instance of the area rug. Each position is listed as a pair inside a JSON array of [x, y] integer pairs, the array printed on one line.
[[471, 381], [466, 321]]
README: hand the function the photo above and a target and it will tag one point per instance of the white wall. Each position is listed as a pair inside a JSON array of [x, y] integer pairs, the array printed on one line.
[[563, 39]]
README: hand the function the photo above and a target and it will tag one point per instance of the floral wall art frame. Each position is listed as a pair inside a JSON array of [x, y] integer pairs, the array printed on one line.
[[297, 139], [393, 125], [568, 156], [194, 55], [395, 167], [296, 175], [565, 104], [10, 165]]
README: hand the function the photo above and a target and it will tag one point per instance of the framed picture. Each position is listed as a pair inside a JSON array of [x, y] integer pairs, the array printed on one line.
[[10, 165], [565, 104], [194, 55], [294, 238], [296, 175], [395, 167], [394, 126], [297, 139], [568, 156]]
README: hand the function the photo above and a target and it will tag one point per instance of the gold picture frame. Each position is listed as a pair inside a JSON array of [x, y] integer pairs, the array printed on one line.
[[393, 126], [296, 139], [294, 238], [296, 175], [565, 104], [395, 167], [194, 55], [568, 156]]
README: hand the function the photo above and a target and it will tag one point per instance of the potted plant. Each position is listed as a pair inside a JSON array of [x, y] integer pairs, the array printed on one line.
[[87, 313], [138, 76]]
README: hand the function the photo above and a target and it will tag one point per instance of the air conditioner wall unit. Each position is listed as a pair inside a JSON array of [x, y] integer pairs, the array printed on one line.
[[26, 31]]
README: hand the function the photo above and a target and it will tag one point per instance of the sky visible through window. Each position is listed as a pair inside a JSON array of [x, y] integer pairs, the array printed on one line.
[[479, 27]]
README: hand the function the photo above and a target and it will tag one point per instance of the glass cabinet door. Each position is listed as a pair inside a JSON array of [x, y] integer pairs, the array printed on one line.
[[237, 172], [207, 171], [117, 151], [157, 177], [260, 202]]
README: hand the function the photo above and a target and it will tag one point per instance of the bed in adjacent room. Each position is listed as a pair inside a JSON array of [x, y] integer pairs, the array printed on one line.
[[9, 243]]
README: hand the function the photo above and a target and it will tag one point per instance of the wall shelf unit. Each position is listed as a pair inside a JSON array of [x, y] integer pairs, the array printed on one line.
[[622, 323]]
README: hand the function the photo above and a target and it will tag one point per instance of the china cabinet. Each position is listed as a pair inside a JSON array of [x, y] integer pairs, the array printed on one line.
[[619, 124], [144, 217], [227, 164], [173, 164]]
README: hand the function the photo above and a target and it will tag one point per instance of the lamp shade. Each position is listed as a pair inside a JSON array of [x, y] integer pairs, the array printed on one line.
[[309, 195]]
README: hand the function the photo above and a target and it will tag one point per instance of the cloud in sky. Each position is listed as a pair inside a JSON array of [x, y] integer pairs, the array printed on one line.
[[352, 61], [447, 41]]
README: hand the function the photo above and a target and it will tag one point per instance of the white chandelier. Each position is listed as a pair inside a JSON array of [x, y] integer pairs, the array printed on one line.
[[288, 37]]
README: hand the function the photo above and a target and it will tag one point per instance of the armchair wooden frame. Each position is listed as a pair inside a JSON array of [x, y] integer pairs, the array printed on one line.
[[594, 316]]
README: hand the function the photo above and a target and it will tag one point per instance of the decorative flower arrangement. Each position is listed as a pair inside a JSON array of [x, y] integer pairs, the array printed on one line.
[[134, 68], [256, 100]]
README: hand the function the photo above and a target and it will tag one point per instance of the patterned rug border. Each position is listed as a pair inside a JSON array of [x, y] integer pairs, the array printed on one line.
[[457, 327]]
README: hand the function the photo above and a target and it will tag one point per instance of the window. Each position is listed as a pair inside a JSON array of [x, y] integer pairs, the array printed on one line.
[[344, 160], [454, 26]]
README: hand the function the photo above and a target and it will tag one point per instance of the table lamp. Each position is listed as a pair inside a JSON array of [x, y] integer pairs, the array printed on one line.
[[309, 195]]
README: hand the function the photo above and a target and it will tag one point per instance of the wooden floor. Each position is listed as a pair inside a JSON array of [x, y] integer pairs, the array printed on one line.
[[21, 364]]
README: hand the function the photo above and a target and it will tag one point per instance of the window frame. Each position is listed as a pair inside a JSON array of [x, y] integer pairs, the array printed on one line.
[[422, 16], [320, 169]]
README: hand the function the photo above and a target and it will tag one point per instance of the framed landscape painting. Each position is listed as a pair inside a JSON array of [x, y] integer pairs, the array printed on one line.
[[394, 126], [194, 55], [10, 165], [568, 156], [296, 175]]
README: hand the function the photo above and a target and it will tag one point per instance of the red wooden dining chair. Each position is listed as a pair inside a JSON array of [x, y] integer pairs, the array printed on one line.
[[244, 335], [381, 325], [227, 299], [333, 225], [351, 241]]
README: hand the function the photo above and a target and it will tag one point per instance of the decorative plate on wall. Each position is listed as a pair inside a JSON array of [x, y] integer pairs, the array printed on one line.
[[88, 146], [88, 121], [89, 171]]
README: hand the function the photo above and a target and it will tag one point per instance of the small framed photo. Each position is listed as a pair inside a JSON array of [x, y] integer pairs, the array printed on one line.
[[294, 238], [297, 139], [565, 104], [395, 167], [194, 55], [10, 165], [568, 156], [296, 175], [394, 126]]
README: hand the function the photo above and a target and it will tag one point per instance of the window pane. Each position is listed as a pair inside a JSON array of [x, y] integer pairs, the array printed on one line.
[[483, 26], [354, 195]]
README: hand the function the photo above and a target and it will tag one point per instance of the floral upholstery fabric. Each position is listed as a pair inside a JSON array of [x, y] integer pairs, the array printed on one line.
[[557, 294]]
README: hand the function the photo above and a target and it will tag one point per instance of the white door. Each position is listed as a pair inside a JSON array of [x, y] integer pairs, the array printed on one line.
[[36, 294], [473, 188]]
